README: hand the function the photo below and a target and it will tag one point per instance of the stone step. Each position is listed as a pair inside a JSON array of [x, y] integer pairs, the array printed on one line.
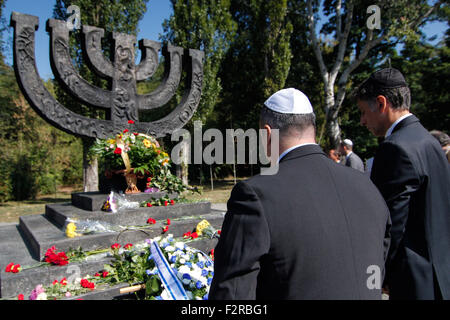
[[93, 201], [60, 212], [25, 281], [42, 233]]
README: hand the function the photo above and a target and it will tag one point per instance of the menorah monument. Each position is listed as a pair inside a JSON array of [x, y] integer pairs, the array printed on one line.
[[121, 102]]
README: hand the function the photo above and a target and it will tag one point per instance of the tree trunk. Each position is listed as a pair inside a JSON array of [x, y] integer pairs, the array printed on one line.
[[182, 168], [331, 118], [90, 168], [334, 131]]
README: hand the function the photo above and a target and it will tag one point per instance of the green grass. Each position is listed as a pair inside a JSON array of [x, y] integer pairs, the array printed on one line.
[[12, 210]]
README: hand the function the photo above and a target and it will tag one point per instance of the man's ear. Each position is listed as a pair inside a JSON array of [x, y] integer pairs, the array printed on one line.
[[269, 138], [382, 104]]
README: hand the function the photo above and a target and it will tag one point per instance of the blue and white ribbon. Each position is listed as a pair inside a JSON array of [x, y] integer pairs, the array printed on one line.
[[167, 275]]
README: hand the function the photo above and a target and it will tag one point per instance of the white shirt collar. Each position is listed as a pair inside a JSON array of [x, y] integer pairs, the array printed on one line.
[[389, 132], [292, 148], [348, 155]]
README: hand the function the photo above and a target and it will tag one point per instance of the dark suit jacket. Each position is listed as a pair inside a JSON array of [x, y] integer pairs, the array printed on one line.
[[355, 162], [309, 232], [413, 175]]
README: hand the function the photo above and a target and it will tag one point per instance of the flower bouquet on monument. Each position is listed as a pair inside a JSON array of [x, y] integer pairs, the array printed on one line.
[[138, 156]]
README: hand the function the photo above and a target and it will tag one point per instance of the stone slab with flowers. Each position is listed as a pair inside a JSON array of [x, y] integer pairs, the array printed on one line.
[[46, 249]]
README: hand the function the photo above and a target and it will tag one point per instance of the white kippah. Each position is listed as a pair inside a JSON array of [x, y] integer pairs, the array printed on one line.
[[348, 142], [289, 101]]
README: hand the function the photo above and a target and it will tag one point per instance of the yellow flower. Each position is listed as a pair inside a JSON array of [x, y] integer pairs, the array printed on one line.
[[202, 226], [111, 141], [147, 143], [165, 154], [165, 162], [71, 230]]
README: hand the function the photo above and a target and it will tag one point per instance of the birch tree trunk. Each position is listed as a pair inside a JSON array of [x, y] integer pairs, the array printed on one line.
[[90, 168]]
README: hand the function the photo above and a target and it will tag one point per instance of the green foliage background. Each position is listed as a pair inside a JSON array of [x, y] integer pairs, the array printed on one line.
[[252, 49]]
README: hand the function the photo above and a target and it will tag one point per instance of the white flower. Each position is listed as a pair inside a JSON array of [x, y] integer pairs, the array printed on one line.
[[169, 249], [41, 296], [179, 245], [157, 239], [165, 295], [182, 261]]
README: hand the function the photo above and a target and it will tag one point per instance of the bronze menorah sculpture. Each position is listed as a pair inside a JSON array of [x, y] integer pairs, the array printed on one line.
[[122, 102]]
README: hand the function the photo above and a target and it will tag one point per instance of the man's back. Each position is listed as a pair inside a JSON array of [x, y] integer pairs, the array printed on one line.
[[309, 232], [414, 178], [355, 162]]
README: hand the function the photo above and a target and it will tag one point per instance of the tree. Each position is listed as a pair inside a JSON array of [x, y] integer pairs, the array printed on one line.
[[113, 16], [258, 61], [204, 25], [349, 42]]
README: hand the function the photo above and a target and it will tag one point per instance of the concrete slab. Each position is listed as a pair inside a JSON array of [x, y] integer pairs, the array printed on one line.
[[93, 201], [60, 212], [43, 234]]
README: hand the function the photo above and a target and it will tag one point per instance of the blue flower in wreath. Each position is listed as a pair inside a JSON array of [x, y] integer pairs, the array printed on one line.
[[199, 285], [205, 297], [208, 264], [200, 264], [187, 276], [204, 273], [209, 280]]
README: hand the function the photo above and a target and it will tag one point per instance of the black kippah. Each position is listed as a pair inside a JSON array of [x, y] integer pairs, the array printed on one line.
[[388, 78]]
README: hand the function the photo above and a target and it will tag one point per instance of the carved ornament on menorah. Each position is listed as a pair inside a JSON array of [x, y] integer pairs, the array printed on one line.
[[122, 103]]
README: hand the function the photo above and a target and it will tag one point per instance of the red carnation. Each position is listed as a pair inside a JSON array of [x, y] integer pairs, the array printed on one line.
[[151, 221], [219, 232], [187, 234], [115, 246], [149, 179], [166, 203], [125, 131], [20, 297], [9, 267], [97, 274], [105, 274], [149, 204], [130, 122], [166, 229], [168, 222], [194, 235], [172, 202], [118, 151], [128, 246]]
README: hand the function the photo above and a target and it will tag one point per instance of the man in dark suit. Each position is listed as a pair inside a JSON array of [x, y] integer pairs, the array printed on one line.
[[413, 176], [352, 160], [313, 230]]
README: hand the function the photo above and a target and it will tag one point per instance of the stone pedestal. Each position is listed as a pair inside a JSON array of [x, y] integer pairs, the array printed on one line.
[[27, 242]]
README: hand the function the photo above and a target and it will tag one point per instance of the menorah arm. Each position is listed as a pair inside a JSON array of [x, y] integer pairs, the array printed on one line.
[[66, 74], [149, 61], [92, 46], [172, 75], [34, 90], [189, 103]]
